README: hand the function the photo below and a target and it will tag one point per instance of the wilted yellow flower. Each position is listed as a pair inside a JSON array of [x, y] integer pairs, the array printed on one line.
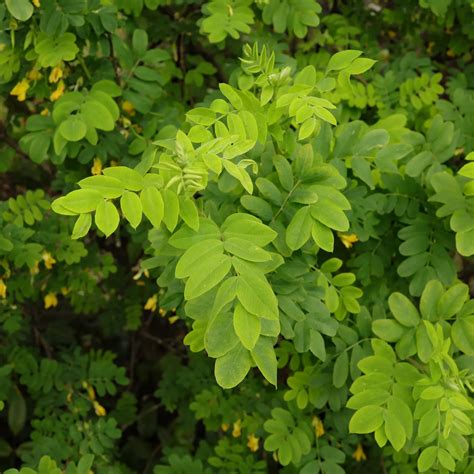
[[96, 167], [50, 300], [237, 429], [225, 427], [3, 289], [56, 74], [173, 319], [58, 92], [48, 260], [20, 90], [34, 75], [348, 239], [99, 409], [128, 107], [318, 426], [151, 303], [252, 442], [36, 3], [65, 291], [359, 454], [69, 397]]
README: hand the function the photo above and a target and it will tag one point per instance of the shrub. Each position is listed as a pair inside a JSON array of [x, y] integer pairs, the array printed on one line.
[[236, 236]]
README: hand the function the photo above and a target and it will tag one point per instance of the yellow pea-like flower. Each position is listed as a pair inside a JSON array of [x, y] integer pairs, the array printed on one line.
[[151, 303], [237, 429], [348, 239], [96, 166], [252, 442], [48, 260], [359, 454], [57, 94], [50, 300], [20, 90], [3, 289]]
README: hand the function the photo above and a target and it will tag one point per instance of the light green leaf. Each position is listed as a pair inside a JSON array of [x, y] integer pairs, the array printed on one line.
[[73, 129], [197, 253], [366, 420], [153, 205], [257, 296], [107, 217], [340, 370], [109, 188], [97, 115], [220, 337], [207, 275], [323, 236], [188, 212], [452, 300], [232, 368], [20, 9], [463, 334], [132, 208], [81, 200], [342, 60], [394, 430], [248, 228], [130, 178], [171, 204], [246, 326], [330, 215], [264, 356], [246, 250], [427, 458], [82, 226], [299, 230], [403, 310]]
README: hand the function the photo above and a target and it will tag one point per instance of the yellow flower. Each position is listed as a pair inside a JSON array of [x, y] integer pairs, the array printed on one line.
[[359, 454], [65, 291], [252, 442], [91, 392], [36, 3], [96, 167], [128, 107], [173, 319], [162, 311], [44, 112], [58, 92], [56, 74], [99, 409], [318, 426], [348, 239], [50, 300], [34, 75], [237, 429], [225, 427], [3, 289], [151, 303], [20, 90], [48, 260]]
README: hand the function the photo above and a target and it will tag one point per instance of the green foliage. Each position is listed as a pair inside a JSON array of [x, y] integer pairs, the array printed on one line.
[[236, 236]]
